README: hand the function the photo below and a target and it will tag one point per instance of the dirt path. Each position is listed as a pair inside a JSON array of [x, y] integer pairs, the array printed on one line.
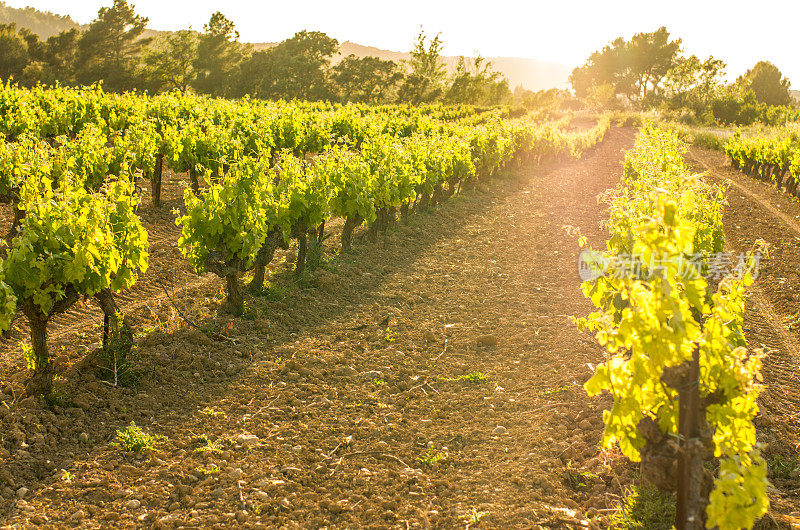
[[755, 211], [430, 379]]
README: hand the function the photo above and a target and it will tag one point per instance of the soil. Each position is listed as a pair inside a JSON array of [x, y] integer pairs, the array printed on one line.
[[430, 379]]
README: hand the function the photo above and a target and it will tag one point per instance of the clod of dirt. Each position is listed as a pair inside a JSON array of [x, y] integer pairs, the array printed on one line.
[[500, 430], [486, 341]]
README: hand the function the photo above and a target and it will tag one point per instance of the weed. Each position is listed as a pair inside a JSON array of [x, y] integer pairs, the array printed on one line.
[[473, 517], [211, 411], [58, 395], [212, 469], [116, 357], [473, 377], [782, 467], [644, 508], [135, 440], [66, 476], [577, 480], [213, 447], [27, 354], [430, 458], [274, 292]]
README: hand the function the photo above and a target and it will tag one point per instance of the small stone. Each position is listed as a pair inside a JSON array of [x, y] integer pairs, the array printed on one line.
[[241, 517], [585, 425], [248, 440], [285, 503], [429, 336], [77, 516], [133, 504], [500, 430], [381, 446], [236, 474], [83, 438], [371, 375], [486, 341], [262, 496], [22, 492]]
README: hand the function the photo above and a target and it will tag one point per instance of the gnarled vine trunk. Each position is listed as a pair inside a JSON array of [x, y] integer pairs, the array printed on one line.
[[350, 223], [264, 257], [41, 382]]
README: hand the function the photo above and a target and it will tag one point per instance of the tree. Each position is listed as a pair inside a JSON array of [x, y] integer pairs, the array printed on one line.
[[604, 67], [425, 80], [692, 83], [295, 68], [219, 56], [365, 79], [768, 84], [60, 56], [475, 83], [13, 52], [635, 68], [169, 62], [110, 48], [650, 56]]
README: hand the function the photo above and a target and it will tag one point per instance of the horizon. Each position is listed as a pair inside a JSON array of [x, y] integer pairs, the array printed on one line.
[[493, 34]]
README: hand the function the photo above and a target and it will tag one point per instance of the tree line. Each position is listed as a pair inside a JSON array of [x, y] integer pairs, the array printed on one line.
[[114, 50], [650, 71]]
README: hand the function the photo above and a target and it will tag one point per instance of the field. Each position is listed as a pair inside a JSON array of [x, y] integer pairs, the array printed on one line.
[[431, 376]]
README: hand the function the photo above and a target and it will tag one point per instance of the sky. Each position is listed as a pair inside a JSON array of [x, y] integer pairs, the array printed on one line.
[[562, 31]]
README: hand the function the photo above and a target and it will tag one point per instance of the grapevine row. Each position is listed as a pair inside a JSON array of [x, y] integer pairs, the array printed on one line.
[[70, 160], [773, 157], [683, 384]]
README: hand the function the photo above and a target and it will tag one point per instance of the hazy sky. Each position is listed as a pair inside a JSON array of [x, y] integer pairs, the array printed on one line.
[[564, 31]]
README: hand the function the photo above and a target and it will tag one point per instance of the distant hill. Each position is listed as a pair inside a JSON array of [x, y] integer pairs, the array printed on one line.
[[530, 73], [43, 23]]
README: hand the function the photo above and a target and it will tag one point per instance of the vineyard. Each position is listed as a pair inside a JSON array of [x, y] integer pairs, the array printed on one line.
[[291, 314]]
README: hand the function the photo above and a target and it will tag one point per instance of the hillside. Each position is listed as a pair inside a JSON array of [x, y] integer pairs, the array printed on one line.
[[43, 23], [530, 73]]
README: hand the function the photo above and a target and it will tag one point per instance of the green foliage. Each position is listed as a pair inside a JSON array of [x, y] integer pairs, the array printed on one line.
[[767, 83], [654, 320], [365, 79], [110, 48], [425, 80], [295, 68], [431, 458], [782, 467], [72, 238], [644, 508], [135, 440], [170, 61], [635, 68]]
